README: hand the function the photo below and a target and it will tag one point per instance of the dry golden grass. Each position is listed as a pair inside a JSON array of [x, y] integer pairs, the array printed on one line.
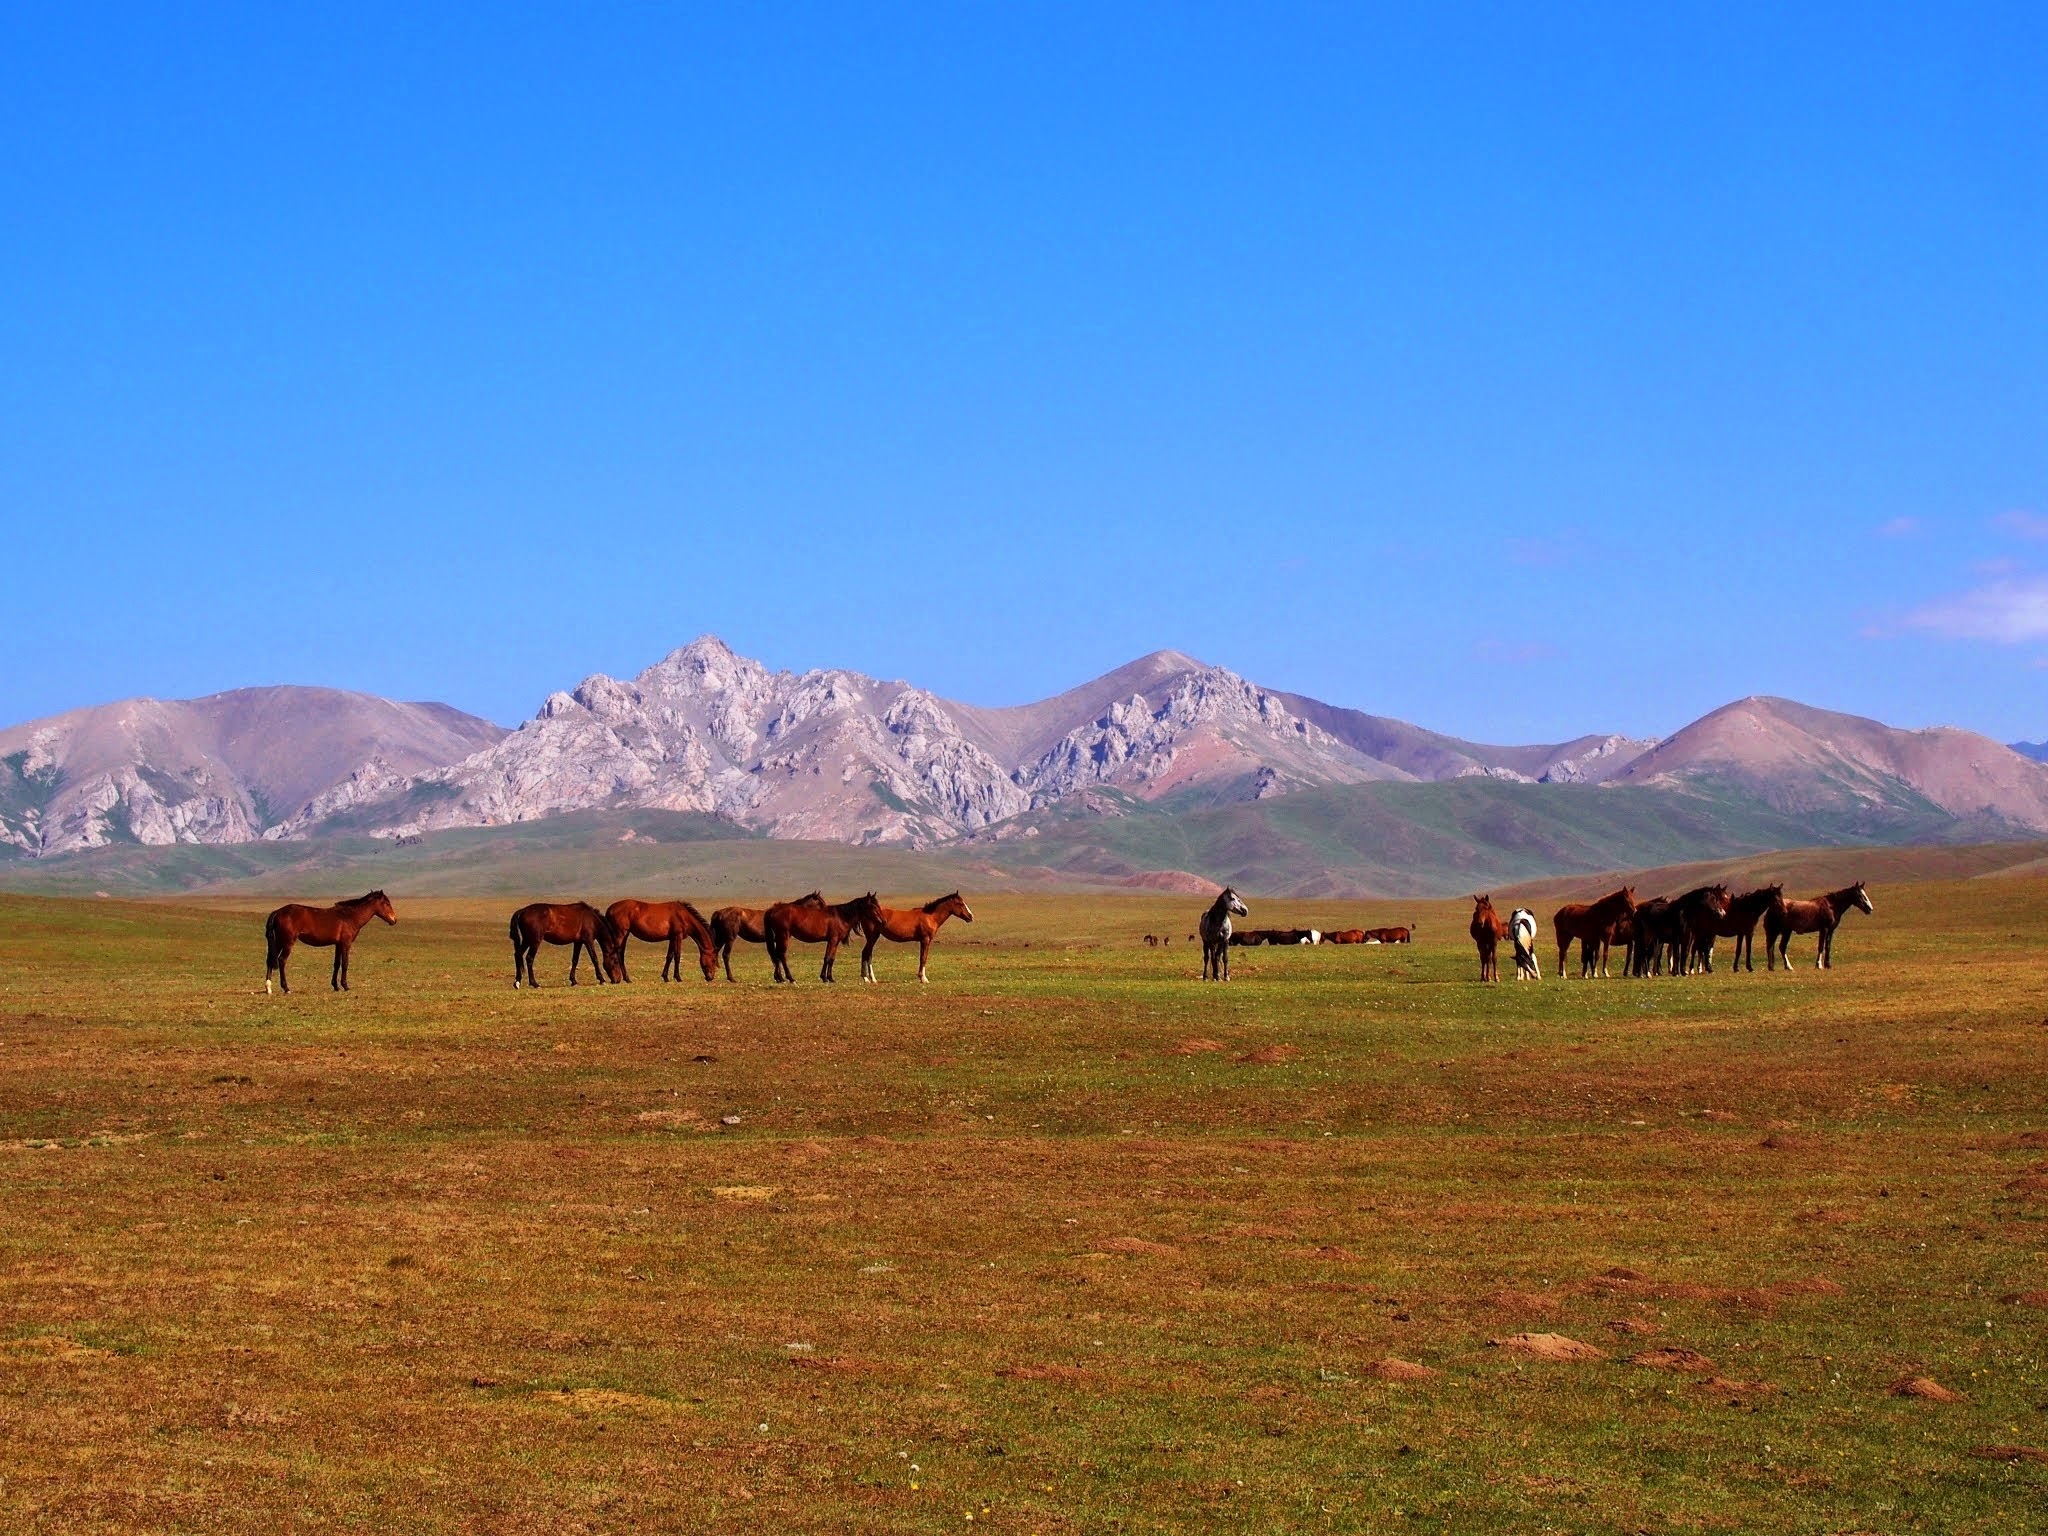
[[1065, 1241]]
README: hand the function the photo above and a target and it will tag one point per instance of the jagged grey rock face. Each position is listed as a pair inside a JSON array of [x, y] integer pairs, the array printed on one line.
[[1598, 763], [837, 755]]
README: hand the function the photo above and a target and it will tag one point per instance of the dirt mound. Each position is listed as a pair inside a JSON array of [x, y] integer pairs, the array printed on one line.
[[2032, 1185], [1674, 1357], [1547, 1346], [1634, 1327], [1065, 1373], [1926, 1389], [1782, 1141], [2032, 1138], [1391, 1369], [1623, 1275], [2008, 1453], [1270, 1055], [2025, 1298], [1132, 1245], [1170, 880], [1195, 1047]]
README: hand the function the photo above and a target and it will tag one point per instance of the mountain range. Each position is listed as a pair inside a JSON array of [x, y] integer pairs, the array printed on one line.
[[1138, 760]]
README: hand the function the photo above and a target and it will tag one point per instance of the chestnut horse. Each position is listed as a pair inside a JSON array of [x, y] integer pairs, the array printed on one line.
[[575, 923], [1215, 931], [1596, 925], [658, 921], [321, 927], [826, 925], [1821, 916], [1487, 932], [921, 924], [1744, 913], [731, 924]]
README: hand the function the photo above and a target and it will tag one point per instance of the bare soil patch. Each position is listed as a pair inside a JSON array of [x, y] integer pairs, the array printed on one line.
[[1270, 1055], [1674, 1357], [1926, 1389], [1392, 1369], [1547, 1346]]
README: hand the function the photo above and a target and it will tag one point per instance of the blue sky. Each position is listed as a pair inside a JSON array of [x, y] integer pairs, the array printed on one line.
[[1515, 373]]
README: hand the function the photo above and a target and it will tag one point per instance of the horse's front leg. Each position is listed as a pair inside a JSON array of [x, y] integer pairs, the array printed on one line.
[[924, 955], [335, 981], [867, 956]]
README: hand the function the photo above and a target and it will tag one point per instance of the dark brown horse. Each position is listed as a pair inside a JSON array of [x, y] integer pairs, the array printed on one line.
[[1739, 923], [1597, 926], [826, 925], [919, 924], [321, 927], [1487, 932], [663, 921], [729, 925], [575, 923], [1822, 916]]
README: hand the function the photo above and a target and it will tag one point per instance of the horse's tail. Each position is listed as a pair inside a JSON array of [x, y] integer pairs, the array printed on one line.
[[269, 949]]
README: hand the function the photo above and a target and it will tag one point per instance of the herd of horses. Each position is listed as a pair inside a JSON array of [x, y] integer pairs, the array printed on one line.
[[1663, 936], [1672, 936], [810, 919]]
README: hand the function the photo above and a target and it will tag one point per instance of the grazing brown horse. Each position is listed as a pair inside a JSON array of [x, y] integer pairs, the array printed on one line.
[[1597, 926], [1389, 935], [1820, 916], [1739, 923], [575, 923], [1487, 932], [321, 927], [1346, 936], [920, 924], [731, 924], [826, 925], [663, 921]]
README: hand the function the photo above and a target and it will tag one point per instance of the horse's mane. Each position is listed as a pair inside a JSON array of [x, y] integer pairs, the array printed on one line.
[[693, 912], [813, 899], [364, 900], [939, 901]]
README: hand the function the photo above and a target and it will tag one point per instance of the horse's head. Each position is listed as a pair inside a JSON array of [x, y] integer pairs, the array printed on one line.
[[1717, 900], [1628, 897], [1233, 904], [864, 910], [1482, 904], [814, 899], [956, 905], [1862, 898], [380, 906]]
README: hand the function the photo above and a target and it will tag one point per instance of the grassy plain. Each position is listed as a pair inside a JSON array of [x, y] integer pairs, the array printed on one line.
[[1063, 1242]]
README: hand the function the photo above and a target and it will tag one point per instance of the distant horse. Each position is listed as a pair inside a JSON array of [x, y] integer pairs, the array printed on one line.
[[321, 927], [1215, 931], [1744, 913], [575, 923], [1487, 932], [731, 924], [1345, 936], [1389, 935], [1699, 913], [1820, 916], [920, 924], [826, 925], [1151, 941], [1596, 926], [1522, 929], [664, 921], [1651, 936]]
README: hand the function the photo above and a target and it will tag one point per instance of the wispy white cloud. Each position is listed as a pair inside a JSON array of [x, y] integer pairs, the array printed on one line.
[[1899, 528], [2022, 524], [2008, 612]]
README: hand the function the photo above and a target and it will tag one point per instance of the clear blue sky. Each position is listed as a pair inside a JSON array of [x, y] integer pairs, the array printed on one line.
[[1513, 372]]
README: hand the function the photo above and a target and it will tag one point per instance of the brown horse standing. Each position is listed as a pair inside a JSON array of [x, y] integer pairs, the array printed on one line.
[[1821, 916], [920, 924], [1596, 926], [1487, 932], [826, 925], [321, 927], [731, 924], [658, 921], [575, 923], [1739, 923]]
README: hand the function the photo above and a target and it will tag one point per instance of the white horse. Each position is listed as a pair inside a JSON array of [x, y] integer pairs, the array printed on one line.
[[1522, 926], [1215, 928]]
